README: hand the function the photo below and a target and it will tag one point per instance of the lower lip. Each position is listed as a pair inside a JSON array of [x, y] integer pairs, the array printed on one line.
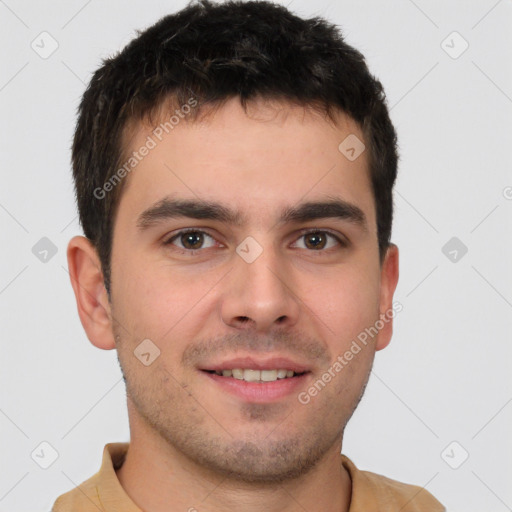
[[259, 392]]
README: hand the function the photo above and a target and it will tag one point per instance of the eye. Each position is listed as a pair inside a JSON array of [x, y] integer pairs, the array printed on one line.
[[317, 240], [190, 239]]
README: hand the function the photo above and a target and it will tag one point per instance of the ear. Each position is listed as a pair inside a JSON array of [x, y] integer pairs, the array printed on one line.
[[388, 282], [90, 293]]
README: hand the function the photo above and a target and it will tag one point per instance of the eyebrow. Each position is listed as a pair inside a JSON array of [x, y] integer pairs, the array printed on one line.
[[168, 208]]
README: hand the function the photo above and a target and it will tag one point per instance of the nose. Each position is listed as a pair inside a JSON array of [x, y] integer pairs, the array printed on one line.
[[260, 295]]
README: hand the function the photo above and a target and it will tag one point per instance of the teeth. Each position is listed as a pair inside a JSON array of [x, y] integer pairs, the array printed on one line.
[[268, 375], [256, 375], [281, 374], [238, 374], [252, 375]]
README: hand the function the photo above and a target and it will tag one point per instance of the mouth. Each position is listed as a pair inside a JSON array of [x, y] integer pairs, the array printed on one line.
[[253, 375], [258, 381]]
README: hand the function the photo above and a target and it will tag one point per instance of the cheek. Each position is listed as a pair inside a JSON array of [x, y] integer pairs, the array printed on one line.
[[347, 303], [162, 304]]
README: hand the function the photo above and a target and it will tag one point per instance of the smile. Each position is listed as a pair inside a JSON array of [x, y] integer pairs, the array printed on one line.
[[250, 375]]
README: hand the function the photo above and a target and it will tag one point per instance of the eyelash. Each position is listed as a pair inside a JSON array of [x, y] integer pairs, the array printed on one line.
[[343, 244]]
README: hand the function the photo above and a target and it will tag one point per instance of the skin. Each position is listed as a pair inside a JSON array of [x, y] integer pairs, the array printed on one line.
[[192, 444]]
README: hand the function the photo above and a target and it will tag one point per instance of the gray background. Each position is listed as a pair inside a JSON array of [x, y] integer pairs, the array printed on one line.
[[446, 375]]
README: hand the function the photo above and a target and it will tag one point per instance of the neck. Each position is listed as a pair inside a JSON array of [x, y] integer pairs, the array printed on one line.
[[159, 478]]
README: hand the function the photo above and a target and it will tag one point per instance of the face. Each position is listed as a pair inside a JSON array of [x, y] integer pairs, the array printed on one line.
[[264, 282]]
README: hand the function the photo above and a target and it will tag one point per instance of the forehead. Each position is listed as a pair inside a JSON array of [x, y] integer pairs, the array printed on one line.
[[258, 162]]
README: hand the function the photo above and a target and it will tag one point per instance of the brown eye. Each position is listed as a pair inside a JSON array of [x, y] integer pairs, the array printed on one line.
[[190, 240], [315, 240], [319, 240]]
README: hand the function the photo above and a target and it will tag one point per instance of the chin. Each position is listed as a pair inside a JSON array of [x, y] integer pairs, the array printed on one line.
[[262, 463]]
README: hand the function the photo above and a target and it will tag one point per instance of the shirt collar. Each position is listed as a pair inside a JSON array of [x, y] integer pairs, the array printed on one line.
[[113, 496]]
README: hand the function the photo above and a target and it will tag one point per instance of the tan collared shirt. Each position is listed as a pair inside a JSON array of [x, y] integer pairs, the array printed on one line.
[[370, 492]]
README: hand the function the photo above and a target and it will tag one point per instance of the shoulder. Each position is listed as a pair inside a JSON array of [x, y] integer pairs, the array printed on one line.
[[102, 491], [372, 489], [84, 497]]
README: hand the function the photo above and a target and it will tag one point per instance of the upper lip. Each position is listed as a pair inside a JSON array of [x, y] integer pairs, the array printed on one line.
[[273, 363]]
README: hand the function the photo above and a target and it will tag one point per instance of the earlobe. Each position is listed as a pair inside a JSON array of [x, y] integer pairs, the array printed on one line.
[[389, 281], [91, 297]]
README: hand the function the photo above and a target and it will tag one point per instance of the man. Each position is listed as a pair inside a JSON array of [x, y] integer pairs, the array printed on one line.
[[234, 167]]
